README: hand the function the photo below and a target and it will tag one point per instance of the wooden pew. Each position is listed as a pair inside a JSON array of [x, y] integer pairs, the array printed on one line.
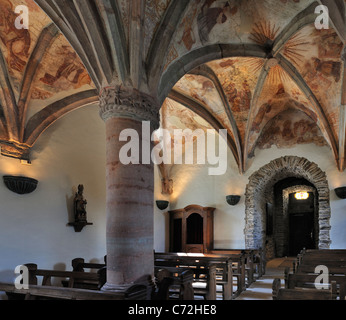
[[319, 256], [302, 293], [305, 274], [35, 292], [308, 280], [246, 263], [81, 280], [79, 265], [255, 259], [204, 271], [44, 289], [174, 284], [156, 290], [334, 260]]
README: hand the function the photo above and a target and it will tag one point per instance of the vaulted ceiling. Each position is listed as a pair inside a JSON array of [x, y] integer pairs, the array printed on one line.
[[259, 69]]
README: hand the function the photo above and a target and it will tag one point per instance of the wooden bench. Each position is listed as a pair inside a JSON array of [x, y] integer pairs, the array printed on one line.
[[308, 280], [204, 271], [319, 257], [69, 279], [79, 265], [248, 265], [35, 292], [334, 260], [305, 273], [75, 285], [174, 284], [302, 293], [156, 290]]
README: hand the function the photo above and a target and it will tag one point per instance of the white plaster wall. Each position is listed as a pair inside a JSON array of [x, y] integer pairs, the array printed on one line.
[[33, 228], [161, 218]]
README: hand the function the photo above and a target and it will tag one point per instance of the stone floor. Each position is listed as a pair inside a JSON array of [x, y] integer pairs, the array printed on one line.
[[261, 289]]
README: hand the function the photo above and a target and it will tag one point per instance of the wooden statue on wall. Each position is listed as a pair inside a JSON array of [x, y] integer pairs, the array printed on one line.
[[80, 205], [80, 213]]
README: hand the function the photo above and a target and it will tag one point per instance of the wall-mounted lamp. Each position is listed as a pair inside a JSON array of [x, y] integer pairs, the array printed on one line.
[[233, 200], [162, 205], [341, 192], [20, 185]]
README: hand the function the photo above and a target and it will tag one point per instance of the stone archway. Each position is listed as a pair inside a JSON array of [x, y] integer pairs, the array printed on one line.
[[259, 192]]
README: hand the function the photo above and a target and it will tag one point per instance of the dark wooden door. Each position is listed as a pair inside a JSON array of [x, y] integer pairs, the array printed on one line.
[[301, 232]]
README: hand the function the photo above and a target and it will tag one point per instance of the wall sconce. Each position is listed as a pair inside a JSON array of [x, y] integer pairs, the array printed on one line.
[[233, 200], [341, 192], [162, 205], [20, 185]]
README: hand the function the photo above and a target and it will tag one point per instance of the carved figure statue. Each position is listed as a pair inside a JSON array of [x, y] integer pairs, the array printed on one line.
[[80, 205]]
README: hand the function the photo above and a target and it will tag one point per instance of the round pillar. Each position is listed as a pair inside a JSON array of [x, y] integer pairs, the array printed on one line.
[[130, 187]]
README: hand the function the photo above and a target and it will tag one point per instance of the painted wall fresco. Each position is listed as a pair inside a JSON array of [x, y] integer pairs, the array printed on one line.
[[289, 128]]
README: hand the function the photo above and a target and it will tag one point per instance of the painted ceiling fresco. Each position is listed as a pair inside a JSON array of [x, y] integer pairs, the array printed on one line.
[[215, 21], [260, 69], [271, 101], [39, 68]]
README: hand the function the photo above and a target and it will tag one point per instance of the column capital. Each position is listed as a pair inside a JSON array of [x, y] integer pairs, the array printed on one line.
[[125, 102]]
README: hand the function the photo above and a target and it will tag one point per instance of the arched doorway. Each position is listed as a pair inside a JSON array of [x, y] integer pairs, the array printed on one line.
[[291, 223], [261, 204]]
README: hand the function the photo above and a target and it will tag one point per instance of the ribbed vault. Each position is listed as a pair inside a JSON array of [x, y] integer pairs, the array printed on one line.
[[240, 65]]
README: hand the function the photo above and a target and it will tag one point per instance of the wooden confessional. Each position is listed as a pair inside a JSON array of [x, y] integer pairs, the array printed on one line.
[[192, 229]]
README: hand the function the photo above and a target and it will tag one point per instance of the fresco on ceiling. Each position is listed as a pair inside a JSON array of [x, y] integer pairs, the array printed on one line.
[[238, 77], [204, 91], [279, 94], [219, 21], [290, 128], [175, 116], [317, 58], [154, 11], [17, 44], [16, 41], [210, 16], [66, 71]]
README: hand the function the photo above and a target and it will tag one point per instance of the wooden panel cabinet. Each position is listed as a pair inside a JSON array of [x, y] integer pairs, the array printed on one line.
[[192, 229]]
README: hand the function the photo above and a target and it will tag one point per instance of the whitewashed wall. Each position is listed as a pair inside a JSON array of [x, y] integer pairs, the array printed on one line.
[[193, 185], [33, 228]]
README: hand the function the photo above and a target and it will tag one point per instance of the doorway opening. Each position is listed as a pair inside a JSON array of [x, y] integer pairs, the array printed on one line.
[[301, 213], [273, 219]]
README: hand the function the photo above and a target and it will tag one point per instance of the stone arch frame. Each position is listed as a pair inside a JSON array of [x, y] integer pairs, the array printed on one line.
[[258, 193]]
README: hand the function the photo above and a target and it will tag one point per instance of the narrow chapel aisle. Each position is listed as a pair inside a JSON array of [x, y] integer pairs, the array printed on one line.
[[261, 289]]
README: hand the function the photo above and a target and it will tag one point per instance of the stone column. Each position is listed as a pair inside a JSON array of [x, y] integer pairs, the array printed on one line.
[[130, 188]]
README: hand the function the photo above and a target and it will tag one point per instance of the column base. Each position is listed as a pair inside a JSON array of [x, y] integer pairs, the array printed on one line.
[[107, 287], [134, 291]]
